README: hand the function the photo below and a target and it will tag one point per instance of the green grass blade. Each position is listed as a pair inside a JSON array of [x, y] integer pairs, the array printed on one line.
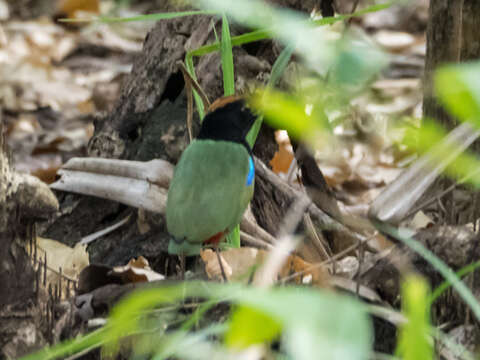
[[446, 284], [233, 239], [290, 27], [263, 34], [333, 19], [217, 39], [198, 100], [227, 59], [438, 264], [197, 315], [280, 65], [92, 340], [397, 319], [147, 17], [278, 69], [253, 133], [236, 41]]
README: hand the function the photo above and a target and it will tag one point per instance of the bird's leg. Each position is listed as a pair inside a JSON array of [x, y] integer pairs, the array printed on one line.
[[224, 276]]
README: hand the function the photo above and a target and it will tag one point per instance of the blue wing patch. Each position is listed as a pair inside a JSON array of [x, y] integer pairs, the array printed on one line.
[[251, 172]]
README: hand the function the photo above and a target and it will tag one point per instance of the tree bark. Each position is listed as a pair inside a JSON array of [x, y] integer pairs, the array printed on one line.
[[444, 39], [452, 37], [23, 200]]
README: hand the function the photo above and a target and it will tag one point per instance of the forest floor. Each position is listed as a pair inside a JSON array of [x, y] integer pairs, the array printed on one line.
[[57, 79]]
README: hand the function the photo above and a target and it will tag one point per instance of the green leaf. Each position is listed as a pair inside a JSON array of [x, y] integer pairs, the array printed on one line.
[[249, 326], [458, 87], [283, 111], [263, 34], [278, 69], [290, 27], [414, 341], [313, 322], [227, 59], [356, 62]]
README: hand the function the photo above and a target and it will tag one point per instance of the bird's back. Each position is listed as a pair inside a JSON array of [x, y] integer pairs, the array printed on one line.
[[209, 191]]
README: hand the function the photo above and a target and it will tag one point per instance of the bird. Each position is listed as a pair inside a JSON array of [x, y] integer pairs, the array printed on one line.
[[213, 181]]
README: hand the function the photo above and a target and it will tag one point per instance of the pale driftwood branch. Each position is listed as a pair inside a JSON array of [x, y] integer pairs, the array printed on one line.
[[155, 171], [394, 203], [132, 191]]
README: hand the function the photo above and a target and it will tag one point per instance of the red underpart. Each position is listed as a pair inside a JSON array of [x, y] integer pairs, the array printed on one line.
[[215, 239]]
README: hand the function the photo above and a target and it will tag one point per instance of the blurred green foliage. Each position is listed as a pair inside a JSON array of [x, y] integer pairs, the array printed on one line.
[[414, 341]]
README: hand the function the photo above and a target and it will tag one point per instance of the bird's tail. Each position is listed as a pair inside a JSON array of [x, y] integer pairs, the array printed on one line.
[[183, 247]]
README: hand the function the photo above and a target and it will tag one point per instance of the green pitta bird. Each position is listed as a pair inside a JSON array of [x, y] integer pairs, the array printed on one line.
[[213, 181]]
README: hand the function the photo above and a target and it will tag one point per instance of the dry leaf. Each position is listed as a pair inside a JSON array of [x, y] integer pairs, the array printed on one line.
[[420, 221], [240, 264], [212, 266], [307, 273], [137, 270], [347, 267], [284, 156], [62, 258], [72, 7], [70, 260]]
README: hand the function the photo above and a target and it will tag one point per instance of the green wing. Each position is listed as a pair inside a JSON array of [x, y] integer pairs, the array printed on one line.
[[208, 193]]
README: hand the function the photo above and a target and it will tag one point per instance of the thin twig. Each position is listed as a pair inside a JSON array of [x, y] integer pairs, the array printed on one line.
[[361, 257], [220, 263], [251, 240], [326, 262], [195, 85], [89, 238], [354, 8], [285, 245], [316, 239]]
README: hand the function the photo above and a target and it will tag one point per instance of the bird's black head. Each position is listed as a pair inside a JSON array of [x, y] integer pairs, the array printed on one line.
[[230, 120]]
